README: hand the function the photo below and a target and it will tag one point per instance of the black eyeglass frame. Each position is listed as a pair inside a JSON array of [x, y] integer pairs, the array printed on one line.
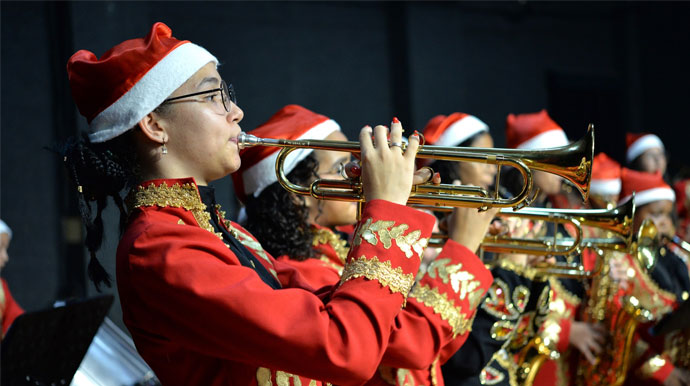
[[227, 92]]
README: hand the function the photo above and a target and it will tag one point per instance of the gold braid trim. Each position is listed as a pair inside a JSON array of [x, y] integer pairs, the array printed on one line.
[[563, 293], [443, 307], [653, 301], [326, 236], [383, 272], [521, 270], [176, 196]]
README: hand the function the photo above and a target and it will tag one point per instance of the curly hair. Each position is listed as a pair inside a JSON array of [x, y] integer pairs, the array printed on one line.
[[99, 170], [279, 219]]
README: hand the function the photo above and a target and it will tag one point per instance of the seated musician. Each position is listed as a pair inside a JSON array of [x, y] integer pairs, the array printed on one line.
[[205, 304], [509, 310], [659, 288], [300, 229], [558, 329], [9, 308]]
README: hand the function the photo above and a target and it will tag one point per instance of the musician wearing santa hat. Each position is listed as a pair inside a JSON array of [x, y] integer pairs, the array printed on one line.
[[645, 153], [660, 287], [205, 304], [423, 338], [477, 360]]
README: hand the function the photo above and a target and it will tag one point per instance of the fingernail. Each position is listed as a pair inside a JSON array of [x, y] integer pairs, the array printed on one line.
[[416, 132], [414, 136], [437, 175], [395, 120]]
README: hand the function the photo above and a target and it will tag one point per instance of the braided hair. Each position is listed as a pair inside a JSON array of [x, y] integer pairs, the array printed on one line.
[[280, 219], [99, 170]]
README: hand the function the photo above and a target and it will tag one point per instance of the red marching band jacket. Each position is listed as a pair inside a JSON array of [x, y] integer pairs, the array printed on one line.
[[436, 319], [197, 316]]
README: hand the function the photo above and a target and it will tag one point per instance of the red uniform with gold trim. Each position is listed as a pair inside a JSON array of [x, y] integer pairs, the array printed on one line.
[[652, 363], [9, 308], [198, 316], [436, 319]]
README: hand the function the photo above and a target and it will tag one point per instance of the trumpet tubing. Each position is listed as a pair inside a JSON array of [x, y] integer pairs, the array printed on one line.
[[572, 162]]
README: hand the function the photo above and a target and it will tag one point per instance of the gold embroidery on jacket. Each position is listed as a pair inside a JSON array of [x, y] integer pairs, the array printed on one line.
[[176, 196], [653, 298], [443, 307], [383, 272], [387, 233], [461, 281], [326, 236], [434, 371], [490, 376], [263, 378]]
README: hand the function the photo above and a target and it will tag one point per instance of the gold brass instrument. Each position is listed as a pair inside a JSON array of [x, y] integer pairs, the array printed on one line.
[[680, 243], [617, 221], [613, 363], [572, 162]]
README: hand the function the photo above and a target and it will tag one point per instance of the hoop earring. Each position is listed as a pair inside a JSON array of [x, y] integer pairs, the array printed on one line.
[[164, 150]]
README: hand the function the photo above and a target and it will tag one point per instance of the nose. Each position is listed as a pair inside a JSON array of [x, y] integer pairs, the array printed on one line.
[[236, 114]]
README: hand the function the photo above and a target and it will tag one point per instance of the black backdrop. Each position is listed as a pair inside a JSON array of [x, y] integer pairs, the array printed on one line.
[[623, 66]]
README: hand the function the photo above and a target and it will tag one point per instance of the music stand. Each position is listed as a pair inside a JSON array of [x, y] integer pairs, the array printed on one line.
[[677, 320], [46, 347]]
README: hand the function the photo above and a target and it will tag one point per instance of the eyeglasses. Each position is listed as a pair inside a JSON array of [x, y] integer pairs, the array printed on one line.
[[227, 95]]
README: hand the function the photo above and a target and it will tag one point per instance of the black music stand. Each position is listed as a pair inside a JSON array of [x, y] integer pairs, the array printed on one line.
[[677, 320], [46, 347]]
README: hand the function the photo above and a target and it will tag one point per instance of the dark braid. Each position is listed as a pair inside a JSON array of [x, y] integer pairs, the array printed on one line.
[[99, 170], [279, 219]]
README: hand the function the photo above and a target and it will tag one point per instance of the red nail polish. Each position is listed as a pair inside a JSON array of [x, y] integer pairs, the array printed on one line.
[[395, 120], [416, 132], [437, 175]]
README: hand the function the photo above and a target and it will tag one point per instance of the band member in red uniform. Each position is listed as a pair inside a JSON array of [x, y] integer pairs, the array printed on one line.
[[9, 308], [205, 304], [426, 334], [659, 288]]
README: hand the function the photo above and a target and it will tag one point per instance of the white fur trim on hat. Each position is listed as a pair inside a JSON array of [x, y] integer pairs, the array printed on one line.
[[651, 195], [545, 140], [643, 144], [605, 187], [150, 91], [259, 176], [4, 228], [460, 130]]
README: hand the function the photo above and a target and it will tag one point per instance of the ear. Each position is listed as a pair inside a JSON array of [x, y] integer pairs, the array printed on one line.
[[153, 128]]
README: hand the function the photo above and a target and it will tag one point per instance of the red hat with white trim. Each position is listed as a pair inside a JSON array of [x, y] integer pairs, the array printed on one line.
[[131, 79], [533, 131], [606, 176], [638, 143], [258, 162], [648, 187], [453, 129]]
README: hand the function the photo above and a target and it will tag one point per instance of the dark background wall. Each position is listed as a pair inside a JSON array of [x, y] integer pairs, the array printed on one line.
[[622, 66]]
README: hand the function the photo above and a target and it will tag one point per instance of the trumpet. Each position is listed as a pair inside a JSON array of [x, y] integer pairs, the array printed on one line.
[[617, 220], [572, 162]]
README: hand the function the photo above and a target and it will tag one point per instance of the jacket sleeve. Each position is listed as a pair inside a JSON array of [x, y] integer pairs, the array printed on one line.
[[196, 294], [440, 309]]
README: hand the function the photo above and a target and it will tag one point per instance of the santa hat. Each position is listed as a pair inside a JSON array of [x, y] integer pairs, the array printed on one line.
[[131, 79], [453, 129], [533, 131], [4, 228], [648, 187], [638, 143], [258, 163], [606, 176]]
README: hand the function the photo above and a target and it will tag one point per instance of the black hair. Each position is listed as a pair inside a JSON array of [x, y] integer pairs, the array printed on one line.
[[280, 219], [97, 171], [448, 169]]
